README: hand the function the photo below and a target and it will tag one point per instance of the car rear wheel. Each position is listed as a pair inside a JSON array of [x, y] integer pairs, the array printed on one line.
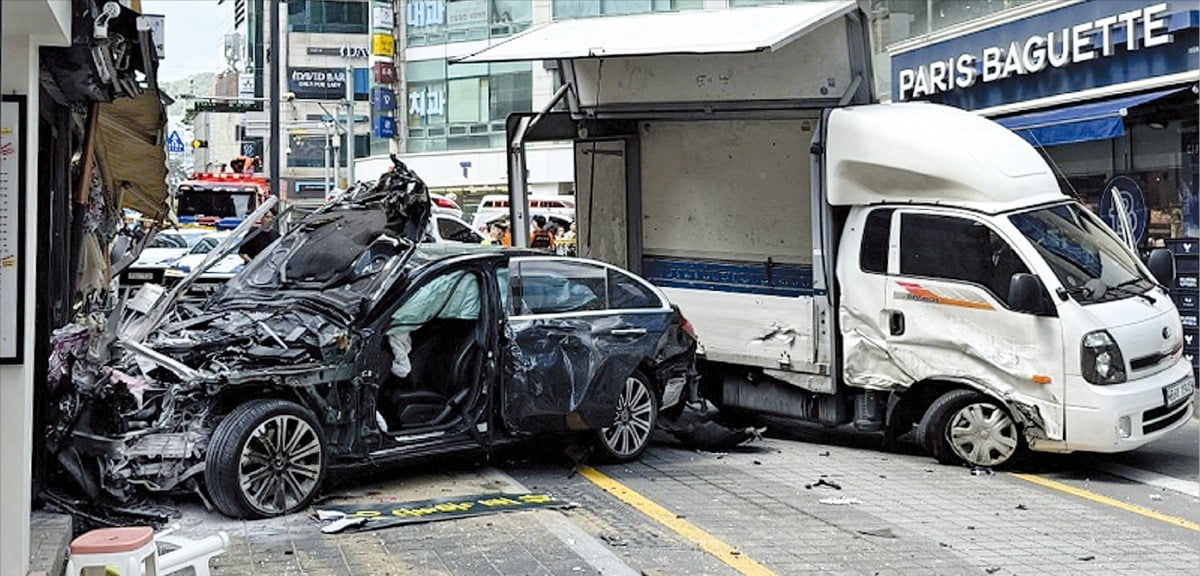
[[964, 426], [266, 458], [637, 414]]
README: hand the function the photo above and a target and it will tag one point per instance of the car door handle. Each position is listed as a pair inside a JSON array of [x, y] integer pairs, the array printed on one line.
[[628, 332], [896, 323]]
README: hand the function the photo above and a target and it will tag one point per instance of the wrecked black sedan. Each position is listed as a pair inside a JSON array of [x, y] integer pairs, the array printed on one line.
[[346, 343]]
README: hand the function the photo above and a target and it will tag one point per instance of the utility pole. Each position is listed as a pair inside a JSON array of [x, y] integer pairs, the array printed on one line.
[[275, 96], [349, 122]]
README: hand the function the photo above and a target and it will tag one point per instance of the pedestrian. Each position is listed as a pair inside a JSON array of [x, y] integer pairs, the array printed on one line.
[[566, 242], [260, 238], [497, 233], [540, 238]]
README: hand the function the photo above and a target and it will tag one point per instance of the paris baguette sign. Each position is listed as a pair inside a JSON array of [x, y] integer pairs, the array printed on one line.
[[1142, 28]]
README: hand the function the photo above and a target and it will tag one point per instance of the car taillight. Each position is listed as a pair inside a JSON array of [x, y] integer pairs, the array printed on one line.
[[686, 326], [445, 203]]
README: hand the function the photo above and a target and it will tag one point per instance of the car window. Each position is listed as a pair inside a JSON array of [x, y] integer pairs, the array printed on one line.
[[558, 286], [456, 231], [626, 292], [953, 248], [204, 246], [876, 235], [167, 241]]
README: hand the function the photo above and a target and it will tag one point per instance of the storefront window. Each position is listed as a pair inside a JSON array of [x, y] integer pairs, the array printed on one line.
[[1159, 157], [308, 150], [328, 16], [571, 9], [431, 22], [464, 106]]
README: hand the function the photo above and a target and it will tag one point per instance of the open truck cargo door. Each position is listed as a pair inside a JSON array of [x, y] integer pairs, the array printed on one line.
[[659, 107], [703, 61]]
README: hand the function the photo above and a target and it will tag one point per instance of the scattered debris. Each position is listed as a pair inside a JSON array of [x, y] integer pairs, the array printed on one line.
[[840, 501], [1022, 507], [970, 527], [981, 471], [698, 426], [758, 462], [992, 569], [1156, 497], [1087, 558], [884, 476], [823, 482], [825, 453], [879, 533], [374, 516], [614, 540]]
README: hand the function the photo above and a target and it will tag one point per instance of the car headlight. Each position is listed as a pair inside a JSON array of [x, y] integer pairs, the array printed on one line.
[[1101, 359]]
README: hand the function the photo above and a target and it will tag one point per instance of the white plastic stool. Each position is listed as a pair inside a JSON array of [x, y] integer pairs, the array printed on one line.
[[189, 553], [131, 550]]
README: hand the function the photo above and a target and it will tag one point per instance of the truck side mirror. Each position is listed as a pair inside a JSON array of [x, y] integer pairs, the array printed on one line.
[[1162, 265], [1025, 293]]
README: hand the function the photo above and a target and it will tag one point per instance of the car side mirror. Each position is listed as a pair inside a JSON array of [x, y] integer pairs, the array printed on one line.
[[1025, 293], [1162, 265]]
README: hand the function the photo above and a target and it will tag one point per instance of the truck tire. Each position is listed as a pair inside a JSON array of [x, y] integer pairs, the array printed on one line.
[[964, 426], [634, 422], [266, 458]]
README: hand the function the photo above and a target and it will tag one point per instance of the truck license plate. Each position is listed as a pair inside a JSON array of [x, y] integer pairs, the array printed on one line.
[[1179, 390]]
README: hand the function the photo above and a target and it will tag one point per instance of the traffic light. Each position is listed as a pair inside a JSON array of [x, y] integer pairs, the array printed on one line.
[[199, 143]]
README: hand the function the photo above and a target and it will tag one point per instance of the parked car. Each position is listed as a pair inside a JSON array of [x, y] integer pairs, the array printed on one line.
[[163, 249], [216, 275], [494, 206], [444, 205], [448, 228], [289, 373]]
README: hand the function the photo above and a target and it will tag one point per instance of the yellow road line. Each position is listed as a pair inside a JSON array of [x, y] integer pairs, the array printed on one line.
[[1182, 523], [707, 542]]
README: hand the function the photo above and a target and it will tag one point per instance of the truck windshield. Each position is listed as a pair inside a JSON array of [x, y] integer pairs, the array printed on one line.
[[198, 201], [1091, 264]]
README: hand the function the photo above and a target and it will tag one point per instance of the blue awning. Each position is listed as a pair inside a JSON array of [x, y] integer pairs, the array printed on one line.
[[1082, 123]]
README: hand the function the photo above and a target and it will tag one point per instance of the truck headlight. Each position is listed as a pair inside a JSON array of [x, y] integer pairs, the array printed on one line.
[[1101, 359]]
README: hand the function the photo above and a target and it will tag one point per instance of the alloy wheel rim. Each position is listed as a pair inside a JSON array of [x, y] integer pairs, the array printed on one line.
[[634, 420], [982, 435], [280, 464]]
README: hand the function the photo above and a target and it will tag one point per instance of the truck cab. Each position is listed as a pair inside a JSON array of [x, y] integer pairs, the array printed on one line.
[[895, 267]]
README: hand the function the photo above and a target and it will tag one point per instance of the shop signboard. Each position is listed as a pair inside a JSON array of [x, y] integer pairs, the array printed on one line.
[[385, 127], [383, 45], [325, 83], [1080, 46], [385, 72], [12, 228], [423, 13], [383, 98], [1133, 201], [383, 17], [343, 51], [466, 12]]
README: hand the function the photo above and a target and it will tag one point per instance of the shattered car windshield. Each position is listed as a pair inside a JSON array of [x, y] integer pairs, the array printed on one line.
[[1091, 264]]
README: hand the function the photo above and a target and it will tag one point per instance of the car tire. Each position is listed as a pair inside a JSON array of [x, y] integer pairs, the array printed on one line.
[[251, 474], [634, 422], [966, 427]]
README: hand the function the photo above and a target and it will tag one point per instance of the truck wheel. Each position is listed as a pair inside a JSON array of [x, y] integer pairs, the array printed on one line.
[[969, 427], [266, 458], [637, 414]]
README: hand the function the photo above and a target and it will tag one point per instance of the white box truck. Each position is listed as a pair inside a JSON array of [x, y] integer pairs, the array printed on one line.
[[888, 266]]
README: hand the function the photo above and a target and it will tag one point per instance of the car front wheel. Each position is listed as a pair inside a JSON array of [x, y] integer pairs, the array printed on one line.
[[969, 427], [266, 458], [637, 414]]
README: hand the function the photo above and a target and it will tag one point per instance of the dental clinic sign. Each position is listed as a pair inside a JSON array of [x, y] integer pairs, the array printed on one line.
[[1083, 45]]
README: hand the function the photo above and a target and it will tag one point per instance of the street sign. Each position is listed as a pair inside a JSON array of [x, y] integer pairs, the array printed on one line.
[[175, 143], [204, 105]]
